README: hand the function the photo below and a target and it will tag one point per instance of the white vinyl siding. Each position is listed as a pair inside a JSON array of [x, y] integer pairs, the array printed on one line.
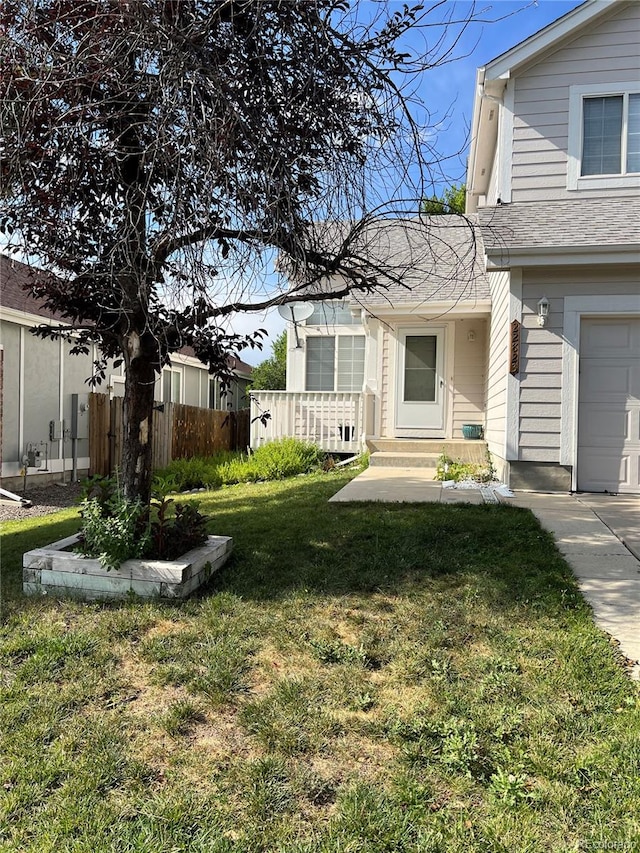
[[606, 56], [498, 368], [469, 366], [541, 353]]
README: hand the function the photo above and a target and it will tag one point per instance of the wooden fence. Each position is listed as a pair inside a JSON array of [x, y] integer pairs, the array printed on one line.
[[179, 432]]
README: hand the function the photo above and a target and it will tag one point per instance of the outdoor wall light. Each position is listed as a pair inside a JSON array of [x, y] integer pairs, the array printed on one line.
[[543, 311]]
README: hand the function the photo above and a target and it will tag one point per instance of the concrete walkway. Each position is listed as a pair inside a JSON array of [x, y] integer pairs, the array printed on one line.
[[598, 535]]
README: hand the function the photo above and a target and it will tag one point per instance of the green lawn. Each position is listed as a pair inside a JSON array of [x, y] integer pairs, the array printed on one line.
[[360, 678]]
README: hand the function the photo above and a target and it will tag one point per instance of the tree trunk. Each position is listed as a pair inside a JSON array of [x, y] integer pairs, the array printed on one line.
[[140, 376]]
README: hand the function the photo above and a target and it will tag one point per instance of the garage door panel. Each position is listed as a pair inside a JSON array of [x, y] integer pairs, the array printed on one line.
[[598, 422], [609, 405], [610, 338], [612, 380], [607, 467]]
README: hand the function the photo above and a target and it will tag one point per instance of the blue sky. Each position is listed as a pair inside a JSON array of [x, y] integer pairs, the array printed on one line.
[[450, 88]]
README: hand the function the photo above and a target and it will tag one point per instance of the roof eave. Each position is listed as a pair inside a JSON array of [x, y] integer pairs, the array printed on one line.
[[502, 257]]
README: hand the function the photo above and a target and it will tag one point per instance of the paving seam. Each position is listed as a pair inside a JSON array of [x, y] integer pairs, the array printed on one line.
[[630, 550]]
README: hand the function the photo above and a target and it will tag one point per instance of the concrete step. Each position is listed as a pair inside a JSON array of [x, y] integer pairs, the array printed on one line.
[[404, 460], [467, 451]]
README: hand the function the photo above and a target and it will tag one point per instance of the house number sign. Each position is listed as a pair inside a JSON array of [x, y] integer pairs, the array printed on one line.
[[514, 349]]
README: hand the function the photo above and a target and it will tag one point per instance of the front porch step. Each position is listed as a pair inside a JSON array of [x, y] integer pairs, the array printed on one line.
[[432, 448], [404, 460]]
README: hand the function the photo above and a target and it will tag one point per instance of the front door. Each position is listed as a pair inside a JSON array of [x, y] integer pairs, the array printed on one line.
[[420, 389]]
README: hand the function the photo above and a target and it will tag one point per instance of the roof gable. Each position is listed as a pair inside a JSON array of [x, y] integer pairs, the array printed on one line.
[[550, 37]]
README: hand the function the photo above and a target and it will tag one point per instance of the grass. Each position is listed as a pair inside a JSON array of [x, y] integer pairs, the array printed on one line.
[[358, 679]]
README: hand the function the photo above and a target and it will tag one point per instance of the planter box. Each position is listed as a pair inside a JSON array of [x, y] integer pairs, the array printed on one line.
[[56, 571]]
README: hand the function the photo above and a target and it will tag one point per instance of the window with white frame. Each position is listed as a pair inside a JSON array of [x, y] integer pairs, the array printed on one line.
[[335, 363], [171, 385], [604, 136], [214, 393], [350, 367], [332, 313]]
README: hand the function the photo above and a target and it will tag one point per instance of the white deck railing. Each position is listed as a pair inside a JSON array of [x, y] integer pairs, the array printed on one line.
[[332, 420]]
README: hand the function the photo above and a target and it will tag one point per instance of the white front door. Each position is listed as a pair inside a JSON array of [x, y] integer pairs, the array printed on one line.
[[420, 386]]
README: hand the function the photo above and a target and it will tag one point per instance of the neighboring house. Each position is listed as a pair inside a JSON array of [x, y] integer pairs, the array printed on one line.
[[42, 385], [554, 193]]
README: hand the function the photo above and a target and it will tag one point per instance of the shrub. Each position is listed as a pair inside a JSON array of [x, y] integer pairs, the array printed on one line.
[[284, 458], [273, 461], [115, 529]]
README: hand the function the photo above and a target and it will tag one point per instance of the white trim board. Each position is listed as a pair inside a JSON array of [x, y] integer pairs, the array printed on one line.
[[512, 413], [576, 307]]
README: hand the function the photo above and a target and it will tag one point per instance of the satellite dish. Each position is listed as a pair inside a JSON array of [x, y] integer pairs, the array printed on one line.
[[296, 312]]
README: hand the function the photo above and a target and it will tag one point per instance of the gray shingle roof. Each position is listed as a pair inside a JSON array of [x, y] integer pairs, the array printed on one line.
[[436, 259], [557, 224], [15, 280]]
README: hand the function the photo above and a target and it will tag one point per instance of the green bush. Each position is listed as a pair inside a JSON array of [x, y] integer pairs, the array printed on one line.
[[273, 461], [284, 458], [114, 531]]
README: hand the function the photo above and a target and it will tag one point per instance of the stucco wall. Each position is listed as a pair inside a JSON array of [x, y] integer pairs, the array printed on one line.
[[10, 336]]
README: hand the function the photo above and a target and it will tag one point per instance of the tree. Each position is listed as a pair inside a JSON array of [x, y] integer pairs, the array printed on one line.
[[159, 155], [271, 374], [453, 200]]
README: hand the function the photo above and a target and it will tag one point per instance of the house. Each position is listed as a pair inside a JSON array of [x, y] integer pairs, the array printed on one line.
[[43, 388], [524, 316]]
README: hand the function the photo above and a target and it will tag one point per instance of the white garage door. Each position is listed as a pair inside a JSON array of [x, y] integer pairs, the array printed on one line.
[[609, 405]]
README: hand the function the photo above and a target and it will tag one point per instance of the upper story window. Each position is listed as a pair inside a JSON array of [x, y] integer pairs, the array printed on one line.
[[611, 135], [332, 313], [604, 136]]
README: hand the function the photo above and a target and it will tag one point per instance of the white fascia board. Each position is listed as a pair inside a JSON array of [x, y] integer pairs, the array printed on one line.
[[178, 359], [430, 309], [23, 318], [501, 259], [550, 36]]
